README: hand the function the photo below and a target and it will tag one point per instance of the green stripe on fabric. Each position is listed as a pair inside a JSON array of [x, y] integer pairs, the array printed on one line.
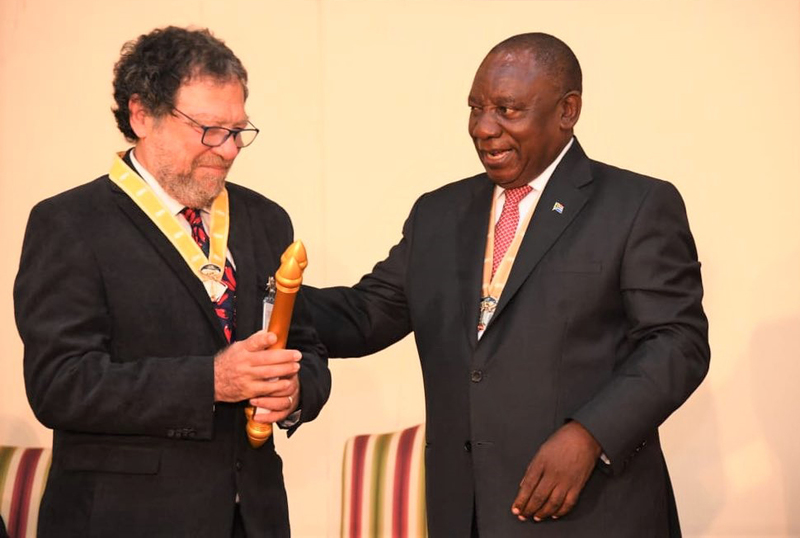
[[378, 470], [47, 455], [6, 453]]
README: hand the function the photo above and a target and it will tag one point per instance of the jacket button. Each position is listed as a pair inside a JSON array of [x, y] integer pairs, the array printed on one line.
[[238, 465], [468, 446], [170, 433], [476, 376]]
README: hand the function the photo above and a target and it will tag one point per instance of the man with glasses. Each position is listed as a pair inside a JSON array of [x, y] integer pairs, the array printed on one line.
[[138, 301]]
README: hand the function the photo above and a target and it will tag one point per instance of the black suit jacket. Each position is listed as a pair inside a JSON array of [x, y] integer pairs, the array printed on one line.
[[600, 321], [119, 342]]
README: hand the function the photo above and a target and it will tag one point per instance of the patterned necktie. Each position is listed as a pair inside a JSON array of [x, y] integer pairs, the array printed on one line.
[[506, 227], [224, 306]]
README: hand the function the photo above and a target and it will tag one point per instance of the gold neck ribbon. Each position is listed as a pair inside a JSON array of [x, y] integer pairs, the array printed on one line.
[[207, 269], [492, 287]]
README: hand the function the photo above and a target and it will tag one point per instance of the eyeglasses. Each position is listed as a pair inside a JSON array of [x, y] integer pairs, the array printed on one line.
[[216, 136]]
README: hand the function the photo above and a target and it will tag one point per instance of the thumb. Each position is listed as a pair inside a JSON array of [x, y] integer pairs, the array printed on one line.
[[260, 340]]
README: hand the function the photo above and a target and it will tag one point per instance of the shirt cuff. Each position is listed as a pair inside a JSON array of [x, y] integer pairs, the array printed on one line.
[[291, 420]]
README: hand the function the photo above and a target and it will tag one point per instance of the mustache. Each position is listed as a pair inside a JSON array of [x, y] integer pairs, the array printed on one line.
[[214, 160]]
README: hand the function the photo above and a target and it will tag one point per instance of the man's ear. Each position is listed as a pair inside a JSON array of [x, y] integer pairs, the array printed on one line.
[[570, 109], [140, 120]]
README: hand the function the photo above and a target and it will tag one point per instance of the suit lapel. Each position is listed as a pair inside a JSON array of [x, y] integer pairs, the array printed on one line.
[[472, 229], [240, 244], [167, 251], [546, 226]]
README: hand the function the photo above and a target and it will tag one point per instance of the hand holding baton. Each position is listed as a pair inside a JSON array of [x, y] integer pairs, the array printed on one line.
[[288, 279]]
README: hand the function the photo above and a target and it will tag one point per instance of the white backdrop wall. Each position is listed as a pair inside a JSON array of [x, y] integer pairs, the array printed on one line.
[[362, 107]]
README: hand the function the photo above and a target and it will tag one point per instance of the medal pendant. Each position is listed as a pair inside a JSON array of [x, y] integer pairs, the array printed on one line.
[[215, 289], [212, 281], [488, 305], [212, 271]]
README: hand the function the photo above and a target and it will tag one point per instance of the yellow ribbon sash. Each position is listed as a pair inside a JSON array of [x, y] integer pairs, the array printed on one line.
[[492, 288], [208, 270]]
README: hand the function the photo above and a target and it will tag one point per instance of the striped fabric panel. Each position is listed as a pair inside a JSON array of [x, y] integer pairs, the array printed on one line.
[[23, 473], [6, 453], [352, 485], [383, 485]]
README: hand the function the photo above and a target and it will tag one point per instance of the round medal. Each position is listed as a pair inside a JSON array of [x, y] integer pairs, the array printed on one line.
[[211, 270]]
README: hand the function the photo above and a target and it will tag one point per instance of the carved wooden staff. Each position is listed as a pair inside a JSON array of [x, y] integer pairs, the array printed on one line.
[[288, 279]]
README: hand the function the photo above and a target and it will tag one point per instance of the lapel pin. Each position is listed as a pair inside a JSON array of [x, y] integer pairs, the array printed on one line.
[[558, 207]]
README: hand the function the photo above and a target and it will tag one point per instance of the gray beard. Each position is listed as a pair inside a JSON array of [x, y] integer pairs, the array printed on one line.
[[188, 191]]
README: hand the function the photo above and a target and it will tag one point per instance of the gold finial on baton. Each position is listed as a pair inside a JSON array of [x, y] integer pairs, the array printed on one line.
[[288, 279]]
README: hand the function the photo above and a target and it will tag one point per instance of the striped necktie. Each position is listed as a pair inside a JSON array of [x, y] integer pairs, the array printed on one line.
[[506, 227], [224, 307]]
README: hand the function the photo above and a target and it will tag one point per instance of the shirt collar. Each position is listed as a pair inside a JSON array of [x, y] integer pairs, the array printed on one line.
[[540, 182], [169, 202]]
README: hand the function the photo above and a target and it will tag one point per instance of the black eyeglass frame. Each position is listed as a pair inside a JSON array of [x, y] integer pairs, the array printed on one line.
[[231, 132]]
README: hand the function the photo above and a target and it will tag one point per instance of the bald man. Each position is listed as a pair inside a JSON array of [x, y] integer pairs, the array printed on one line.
[[556, 306]]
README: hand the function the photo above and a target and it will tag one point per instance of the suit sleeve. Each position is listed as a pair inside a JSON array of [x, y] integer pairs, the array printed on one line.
[[662, 292], [273, 232], [315, 378], [373, 314], [71, 379]]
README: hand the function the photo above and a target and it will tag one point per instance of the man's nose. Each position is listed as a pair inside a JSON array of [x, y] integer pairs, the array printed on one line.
[[228, 149], [483, 124]]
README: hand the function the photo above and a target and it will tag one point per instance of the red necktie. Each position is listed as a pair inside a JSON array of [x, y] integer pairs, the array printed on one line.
[[506, 227], [224, 307]]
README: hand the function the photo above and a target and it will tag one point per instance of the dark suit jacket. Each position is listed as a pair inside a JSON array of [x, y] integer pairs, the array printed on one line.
[[119, 342], [600, 321]]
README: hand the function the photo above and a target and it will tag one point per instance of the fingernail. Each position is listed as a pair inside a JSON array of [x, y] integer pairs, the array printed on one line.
[[537, 519]]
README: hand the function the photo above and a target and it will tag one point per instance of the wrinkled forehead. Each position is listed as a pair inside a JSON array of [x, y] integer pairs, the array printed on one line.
[[511, 55], [213, 100], [509, 64], [512, 71]]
